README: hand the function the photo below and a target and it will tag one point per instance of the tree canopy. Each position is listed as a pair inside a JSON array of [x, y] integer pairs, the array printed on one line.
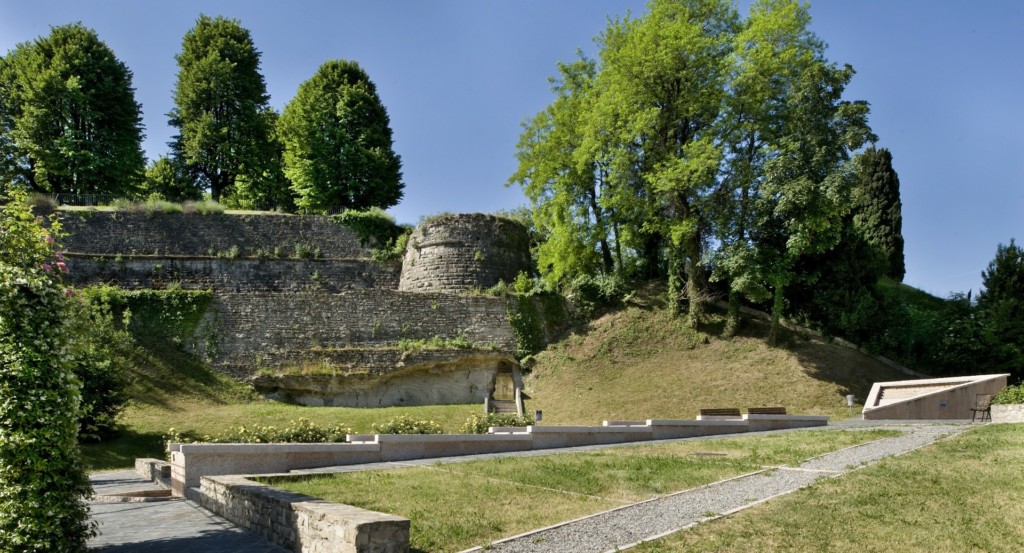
[[337, 142], [700, 143], [220, 104], [69, 122], [878, 211]]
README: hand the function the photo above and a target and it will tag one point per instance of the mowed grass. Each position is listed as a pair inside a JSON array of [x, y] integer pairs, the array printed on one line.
[[171, 389], [960, 494], [640, 363], [459, 505]]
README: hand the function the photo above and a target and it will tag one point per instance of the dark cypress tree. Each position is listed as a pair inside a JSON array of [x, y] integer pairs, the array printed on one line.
[[878, 212], [1001, 303]]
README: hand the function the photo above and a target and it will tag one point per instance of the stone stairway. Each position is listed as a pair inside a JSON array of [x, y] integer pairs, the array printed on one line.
[[504, 406]]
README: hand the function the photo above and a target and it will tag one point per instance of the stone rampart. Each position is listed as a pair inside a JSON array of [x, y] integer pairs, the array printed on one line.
[[242, 333], [128, 233], [220, 274], [454, 253], [1013, 412]]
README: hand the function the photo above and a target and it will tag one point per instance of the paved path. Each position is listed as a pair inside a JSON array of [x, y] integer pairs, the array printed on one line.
[[172, 526], [180, 526]]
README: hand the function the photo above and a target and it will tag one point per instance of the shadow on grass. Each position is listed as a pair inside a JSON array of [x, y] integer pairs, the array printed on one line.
[[121, 450]]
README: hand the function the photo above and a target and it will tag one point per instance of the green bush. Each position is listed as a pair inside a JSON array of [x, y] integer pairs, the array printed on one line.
[[102, 356], [300, 431], [1010, 395], [407, 425], [479, 424], [43, 486], [591, 292]]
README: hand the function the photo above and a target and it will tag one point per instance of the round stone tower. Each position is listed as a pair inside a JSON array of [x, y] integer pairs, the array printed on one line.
[[455, 253]]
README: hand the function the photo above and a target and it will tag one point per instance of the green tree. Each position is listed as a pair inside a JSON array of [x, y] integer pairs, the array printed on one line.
[[660, 92], [43, 485], [337, 142], [270, 189], [1001, 303], [168, 178], [69, 122], [878, 212], [220, 106], [565, 186]]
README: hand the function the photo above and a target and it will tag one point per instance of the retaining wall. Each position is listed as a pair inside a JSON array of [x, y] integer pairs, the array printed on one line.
[[1007, 413], [191, 462], [112, 233], [302, 523], [241, 333], [232, 275]]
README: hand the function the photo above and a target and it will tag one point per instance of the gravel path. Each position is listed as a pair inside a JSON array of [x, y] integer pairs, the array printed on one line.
[[626, 526]]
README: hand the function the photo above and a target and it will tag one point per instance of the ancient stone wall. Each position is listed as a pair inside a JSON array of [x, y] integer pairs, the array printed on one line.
[[220, 274], [244, 332], [127, 233], [454, 253]]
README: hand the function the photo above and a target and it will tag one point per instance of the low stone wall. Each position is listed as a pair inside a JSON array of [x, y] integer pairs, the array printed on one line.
[[1008, 413], [112, 233], [191, 462], [302, 523], [232, 275]]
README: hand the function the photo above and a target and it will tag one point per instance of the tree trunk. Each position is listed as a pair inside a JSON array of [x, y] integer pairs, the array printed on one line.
[[732, 319], [773, 331]]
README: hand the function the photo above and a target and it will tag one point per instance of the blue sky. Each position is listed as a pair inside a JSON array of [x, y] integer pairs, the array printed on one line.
[[943, 77]]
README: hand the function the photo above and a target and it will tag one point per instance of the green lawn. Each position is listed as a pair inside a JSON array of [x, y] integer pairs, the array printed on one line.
[[459, 505], [961, 494]]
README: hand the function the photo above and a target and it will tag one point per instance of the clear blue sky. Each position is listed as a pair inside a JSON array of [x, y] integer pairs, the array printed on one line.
[[944, 79]]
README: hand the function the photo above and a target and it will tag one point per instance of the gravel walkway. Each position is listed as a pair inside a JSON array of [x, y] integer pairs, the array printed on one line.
[[626, 526]]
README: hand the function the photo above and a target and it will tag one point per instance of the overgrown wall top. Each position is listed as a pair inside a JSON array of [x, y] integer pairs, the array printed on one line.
[[111, 233], [454, 253]]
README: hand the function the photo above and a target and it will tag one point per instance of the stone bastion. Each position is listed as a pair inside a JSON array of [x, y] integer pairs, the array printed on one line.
[[455, 253], [296, 295]]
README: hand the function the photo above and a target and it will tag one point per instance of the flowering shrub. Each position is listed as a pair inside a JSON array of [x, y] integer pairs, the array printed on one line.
[[407, 425], [301, 431], [43, 486], [479, 424]]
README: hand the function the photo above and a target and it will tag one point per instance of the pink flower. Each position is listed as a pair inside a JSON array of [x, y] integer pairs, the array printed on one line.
[[69, 293], [62, 267], [60, 256], [49, 239], [48, 268]]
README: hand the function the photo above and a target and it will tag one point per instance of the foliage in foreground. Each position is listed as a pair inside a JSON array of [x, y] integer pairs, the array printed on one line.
[[1010, 395], [300, 431], [407, 425], [42, 483], [480, 424]]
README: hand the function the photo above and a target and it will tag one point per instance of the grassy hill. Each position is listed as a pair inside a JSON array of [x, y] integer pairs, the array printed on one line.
[[640, 363], [633, 363]]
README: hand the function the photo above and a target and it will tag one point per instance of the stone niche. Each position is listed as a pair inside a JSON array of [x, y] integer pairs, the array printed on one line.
[[425, 378], [455, 253]]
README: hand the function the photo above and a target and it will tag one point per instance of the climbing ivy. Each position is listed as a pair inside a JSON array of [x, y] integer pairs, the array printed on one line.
[[172, 314]]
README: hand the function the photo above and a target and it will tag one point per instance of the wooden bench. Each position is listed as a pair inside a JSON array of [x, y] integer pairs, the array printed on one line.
[[727, 412], [766, 410]]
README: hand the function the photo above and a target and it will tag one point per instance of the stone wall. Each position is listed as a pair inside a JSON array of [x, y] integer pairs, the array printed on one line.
[[242, 333], [302, 523], [126, 233], [270, 275], [455, 253], [1007, 413]]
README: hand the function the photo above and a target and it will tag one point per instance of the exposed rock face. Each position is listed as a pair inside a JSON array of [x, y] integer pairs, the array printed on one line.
[[455, 253], [423, 378]]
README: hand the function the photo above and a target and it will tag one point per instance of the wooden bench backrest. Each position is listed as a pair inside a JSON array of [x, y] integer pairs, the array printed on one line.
[[726, 412], [766, 410]]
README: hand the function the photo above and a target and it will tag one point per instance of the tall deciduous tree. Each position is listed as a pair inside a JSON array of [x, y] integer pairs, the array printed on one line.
[[878, 212], [220, 103], [69, 122], [169, 179], [338, 150]]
